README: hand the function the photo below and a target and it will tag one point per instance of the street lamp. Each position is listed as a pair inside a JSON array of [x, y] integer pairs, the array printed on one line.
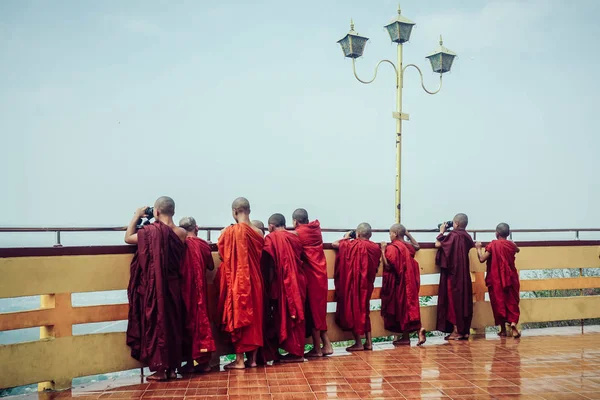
[[441, 61]]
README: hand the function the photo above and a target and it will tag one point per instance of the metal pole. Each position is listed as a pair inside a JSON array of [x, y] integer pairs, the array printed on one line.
[[57, 244], [399, 73]]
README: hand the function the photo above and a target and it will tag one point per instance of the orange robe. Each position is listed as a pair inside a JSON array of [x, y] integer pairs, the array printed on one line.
[[400, 289], [315, 270], [355, 270], [240, 301], [198, 338], [502, 280], [287, 290]]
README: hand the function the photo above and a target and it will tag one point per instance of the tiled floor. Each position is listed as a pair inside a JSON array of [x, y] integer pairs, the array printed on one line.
[[535, 367]]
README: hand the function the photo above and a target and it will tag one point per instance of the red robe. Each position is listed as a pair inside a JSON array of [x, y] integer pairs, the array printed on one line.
[[287, 290], [355, 269], [502, 280], [240, 301], [315, 270], [198, 339], [455, 294], [155, 320], [400, 289]]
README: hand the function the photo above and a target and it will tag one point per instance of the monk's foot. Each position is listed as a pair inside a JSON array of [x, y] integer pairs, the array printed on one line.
[[356, 347], [515, 332], [290, 358], [327, 350], [235, 365], [368, 346], [171, 374], [250, 364], [422, 337], [452, 336], [186, 369], [158, 376], [401, 342], [314, 353], [502, 333], [461, 337], [202, 368]]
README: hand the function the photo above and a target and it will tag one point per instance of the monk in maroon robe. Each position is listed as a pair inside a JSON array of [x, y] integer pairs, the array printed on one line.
[[317, 284], [155, 320], [455, 294], [240, 286], [356, 266], [400, 306], [502, 279], [198, 339], [287, 288]]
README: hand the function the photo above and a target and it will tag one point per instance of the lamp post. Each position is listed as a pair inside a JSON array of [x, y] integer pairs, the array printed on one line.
[[441, 59]]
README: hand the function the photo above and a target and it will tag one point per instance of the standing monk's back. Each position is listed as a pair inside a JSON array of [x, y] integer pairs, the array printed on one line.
[[240, 286]]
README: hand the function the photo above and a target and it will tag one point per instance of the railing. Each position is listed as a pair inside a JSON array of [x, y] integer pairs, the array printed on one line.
[[208, 230], [56, 273]]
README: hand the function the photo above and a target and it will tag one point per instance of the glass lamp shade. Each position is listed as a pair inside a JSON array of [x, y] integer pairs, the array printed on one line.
[[353, 45], [400, 29], [441, 59]]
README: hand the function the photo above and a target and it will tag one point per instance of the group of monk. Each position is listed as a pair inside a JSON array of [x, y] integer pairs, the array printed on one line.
[[272, 290]]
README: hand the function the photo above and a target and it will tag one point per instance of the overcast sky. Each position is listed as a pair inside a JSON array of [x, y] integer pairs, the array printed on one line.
[[104, 106]]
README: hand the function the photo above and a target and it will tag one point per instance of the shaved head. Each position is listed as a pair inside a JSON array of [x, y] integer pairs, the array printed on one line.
[[503, 230], [241, 204], [300, 215], [277, 220], [461, 220], [399, 230], [258, 224], [165, 205], [188, 223], [363, 230]]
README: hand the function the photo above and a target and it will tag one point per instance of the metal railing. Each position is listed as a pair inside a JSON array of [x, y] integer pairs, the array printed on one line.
[[209, 229]]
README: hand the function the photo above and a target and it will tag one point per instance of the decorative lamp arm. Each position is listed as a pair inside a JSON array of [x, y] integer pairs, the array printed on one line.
[[376, 69], [422, 84]]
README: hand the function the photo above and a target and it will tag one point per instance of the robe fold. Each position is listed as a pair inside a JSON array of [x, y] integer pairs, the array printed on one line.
[[240, 287], [355, 270], [198, 338], [502, 280], [455, 294], [287, 290], [155, 320], [315, 270], [400, 289]]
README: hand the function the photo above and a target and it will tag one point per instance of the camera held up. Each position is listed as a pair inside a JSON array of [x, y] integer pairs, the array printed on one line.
[[148, 215], [449, 225], [352, 234]]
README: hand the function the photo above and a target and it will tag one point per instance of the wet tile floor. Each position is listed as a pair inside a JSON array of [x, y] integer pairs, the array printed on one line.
[[558, 367]]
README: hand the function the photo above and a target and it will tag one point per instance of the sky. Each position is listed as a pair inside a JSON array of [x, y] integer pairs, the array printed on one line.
[[105, 106]]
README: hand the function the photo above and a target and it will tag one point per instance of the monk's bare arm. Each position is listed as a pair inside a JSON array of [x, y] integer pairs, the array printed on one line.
[[482, 253], [438, 244], [413, 241], [517, 249], [131, 233], [336, 244]]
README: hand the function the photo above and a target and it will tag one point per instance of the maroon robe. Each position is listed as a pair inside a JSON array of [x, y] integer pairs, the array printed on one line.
[[355, 270], [400, 289], [455, 294], [198, 338], [155, 321], [502, 280], [287, 289], [315, 270]]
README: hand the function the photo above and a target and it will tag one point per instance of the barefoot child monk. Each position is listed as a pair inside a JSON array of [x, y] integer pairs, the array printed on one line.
[[455, 295], [239, 280], [502, 279], [315, 270], [284, 278], [400, 307], [355, 270], [198, 343]]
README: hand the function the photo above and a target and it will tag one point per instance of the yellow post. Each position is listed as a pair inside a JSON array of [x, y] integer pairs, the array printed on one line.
[[399, 73]]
